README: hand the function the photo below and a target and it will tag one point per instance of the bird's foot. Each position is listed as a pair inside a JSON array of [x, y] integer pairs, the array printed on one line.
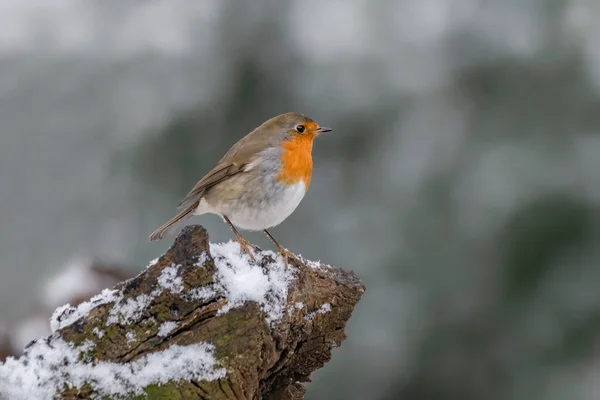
[[246, 245], [286, 254]]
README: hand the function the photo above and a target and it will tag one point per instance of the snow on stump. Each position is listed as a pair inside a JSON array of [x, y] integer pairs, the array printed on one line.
[[201, 322]]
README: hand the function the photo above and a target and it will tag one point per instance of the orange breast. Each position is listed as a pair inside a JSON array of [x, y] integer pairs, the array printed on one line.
[[296, 160]]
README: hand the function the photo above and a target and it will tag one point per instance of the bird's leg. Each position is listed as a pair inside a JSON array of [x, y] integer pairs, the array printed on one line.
[[244, 244], [285, 253]]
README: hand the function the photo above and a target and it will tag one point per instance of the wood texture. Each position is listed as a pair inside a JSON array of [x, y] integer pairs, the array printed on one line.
[[263, 361]]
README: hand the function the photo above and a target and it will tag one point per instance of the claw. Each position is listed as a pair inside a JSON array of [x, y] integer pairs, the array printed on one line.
[[245, 245], [286, 254]]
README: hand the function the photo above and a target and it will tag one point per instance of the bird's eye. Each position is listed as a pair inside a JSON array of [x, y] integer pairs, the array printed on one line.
[[300, 128]]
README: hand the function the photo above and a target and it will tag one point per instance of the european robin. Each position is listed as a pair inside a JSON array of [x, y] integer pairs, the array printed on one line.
[[259, 182]]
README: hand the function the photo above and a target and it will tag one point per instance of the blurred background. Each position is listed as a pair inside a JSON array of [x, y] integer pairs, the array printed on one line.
[[461, 182]]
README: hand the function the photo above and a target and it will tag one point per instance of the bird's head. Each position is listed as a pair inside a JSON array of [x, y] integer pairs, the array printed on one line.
[[293, 126]]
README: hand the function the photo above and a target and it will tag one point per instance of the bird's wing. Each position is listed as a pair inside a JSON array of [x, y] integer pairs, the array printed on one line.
[[218, 174], [233, 162]]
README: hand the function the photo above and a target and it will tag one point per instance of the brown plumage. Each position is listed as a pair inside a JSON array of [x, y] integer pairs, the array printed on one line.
[[264, 163]]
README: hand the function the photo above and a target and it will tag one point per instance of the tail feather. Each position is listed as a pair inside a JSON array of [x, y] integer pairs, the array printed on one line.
[[183, 214]]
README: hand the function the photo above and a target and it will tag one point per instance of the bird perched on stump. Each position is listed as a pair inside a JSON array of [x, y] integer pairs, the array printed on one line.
[[259, 182]]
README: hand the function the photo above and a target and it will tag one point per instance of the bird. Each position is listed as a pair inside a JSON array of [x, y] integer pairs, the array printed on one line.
[[258, 183]]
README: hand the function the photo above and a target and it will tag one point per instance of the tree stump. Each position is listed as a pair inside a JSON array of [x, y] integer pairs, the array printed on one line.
[[201, 322]]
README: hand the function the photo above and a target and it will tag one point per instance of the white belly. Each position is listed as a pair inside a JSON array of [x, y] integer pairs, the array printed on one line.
[[268, 213]]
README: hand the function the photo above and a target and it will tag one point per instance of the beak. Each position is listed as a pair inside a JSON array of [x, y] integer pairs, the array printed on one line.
[[322, 129]]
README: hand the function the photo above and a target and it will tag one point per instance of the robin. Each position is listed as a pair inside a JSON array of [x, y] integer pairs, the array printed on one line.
[[259, 182]]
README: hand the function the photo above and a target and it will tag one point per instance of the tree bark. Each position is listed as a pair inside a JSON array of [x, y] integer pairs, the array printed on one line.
[[263, 359]]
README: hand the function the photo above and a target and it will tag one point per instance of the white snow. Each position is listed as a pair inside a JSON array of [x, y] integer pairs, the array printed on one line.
[[50, 365], [201, 259], [98, 332], [325, 308], [166, 328], [66, 315], [169, 280], [297, 306], [242, 280], [201, 293], [129, 310], [238, 278], [314, 264], [124, 311], [130, 336]]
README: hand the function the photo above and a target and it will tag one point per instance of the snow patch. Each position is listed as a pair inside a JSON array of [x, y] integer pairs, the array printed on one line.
[[50, 365], [325, 308], [201, 293], [166, 328], [98, 332], [201, 259], [124, 312], [237, 277], [131, 309], [65, 315], [296, 306], [313, 264], [152, 263], [130, 336], [169, 280], [243, 280]]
